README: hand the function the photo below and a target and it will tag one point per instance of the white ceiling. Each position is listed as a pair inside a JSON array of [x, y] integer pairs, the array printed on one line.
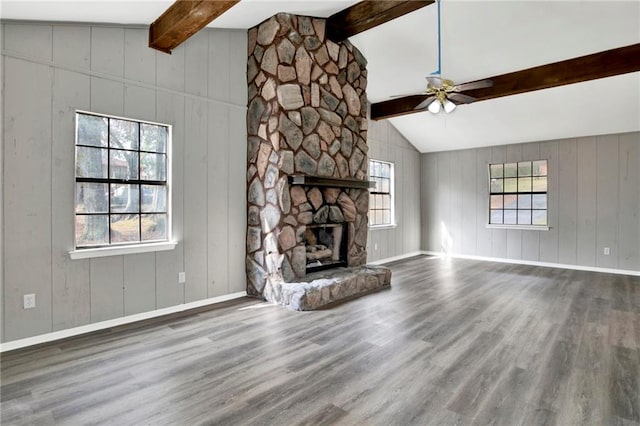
[[479, 39]]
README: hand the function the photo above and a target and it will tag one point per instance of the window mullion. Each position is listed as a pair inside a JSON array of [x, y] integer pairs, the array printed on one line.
[[108, 176], [139, 185]]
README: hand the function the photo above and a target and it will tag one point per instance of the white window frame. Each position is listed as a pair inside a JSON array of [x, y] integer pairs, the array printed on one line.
[[392, 184], [113, 249], [518, 192]]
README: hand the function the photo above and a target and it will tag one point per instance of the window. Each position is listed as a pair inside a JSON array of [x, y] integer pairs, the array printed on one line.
[[518, 193], [122, 169], [381, 196]]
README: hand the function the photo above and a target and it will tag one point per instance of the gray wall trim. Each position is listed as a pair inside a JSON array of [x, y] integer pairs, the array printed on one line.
[[532, 263]]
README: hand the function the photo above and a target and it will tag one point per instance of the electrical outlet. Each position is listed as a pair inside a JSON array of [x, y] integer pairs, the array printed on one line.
[[182, 277], [29, 301], [607, 251]]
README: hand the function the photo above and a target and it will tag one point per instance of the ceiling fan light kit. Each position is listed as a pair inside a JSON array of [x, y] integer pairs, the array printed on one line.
[[434, 107]]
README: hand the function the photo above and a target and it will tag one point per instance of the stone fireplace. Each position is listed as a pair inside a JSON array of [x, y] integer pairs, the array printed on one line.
[[307, 165]]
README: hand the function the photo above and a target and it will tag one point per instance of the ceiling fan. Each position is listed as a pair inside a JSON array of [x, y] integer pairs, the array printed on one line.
[[444, 94]]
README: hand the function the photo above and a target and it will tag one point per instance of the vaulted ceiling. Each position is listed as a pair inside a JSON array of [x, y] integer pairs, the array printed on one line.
[[479, 39]]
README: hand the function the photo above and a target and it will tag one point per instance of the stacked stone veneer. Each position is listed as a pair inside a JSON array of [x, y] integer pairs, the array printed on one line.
[[306, 116]]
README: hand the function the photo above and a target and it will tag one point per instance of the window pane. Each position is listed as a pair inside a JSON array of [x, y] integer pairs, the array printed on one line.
[[124, 198], [154, 198], [510, 217], [524, 168], [123, 164], [379, 184], [511, 185], [153, 166], [496, 170], [372, 201], [511, 170], [540, 168], [91, 162], [379, 217], [379, 201], [496, 185], [92, 197], [524, 184], [385, 185], [496, 216], [524, 217], [510, 201], [123, 134], [496, 201], [154, 138], [375, 169], [92, 130], [540, 184], [92, 230], [386, 201], [154, 227], [385, 170], [539, 217], [524, 201], [539, 201], [125, 228]]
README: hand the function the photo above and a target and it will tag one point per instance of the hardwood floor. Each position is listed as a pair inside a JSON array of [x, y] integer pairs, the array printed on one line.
[[452, 342]]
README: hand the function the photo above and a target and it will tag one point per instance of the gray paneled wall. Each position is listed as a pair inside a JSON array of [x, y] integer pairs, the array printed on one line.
[[49, 71], [387, 144], [594, 202]]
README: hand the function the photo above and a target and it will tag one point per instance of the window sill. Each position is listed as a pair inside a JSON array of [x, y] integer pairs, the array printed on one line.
[[376, 227], [120, 250], [520, 227]]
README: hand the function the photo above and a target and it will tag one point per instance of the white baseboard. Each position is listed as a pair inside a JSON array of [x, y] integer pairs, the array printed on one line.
[[395, 258], [535, 263], [70, 332]]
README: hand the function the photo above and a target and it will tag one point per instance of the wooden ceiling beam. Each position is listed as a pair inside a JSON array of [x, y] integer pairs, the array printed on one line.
[[368, 14], [609, 63], [183, 19]]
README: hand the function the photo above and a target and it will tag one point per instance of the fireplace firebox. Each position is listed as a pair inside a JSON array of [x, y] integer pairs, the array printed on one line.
[[326, 246]]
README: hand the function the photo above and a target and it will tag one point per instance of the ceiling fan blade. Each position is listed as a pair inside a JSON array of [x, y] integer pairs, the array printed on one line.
[[425, 103], [459, 98], [480, 84], [409, 94], [621, 60], [434, 81]]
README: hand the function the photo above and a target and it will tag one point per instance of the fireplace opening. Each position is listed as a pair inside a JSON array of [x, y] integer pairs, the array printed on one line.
[[326, 246]]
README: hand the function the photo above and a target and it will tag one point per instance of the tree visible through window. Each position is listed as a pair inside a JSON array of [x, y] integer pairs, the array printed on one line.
[[518, 193], [381, 196], [121, 181]]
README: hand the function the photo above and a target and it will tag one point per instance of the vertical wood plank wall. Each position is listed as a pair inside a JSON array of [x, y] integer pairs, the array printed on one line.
[[594, 202], [387, 144], [49, 71]]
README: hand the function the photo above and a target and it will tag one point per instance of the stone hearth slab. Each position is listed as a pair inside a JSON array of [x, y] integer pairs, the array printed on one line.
[[328, 287]]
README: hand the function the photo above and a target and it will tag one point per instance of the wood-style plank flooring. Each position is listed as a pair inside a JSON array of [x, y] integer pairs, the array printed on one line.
[[452, 342]]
